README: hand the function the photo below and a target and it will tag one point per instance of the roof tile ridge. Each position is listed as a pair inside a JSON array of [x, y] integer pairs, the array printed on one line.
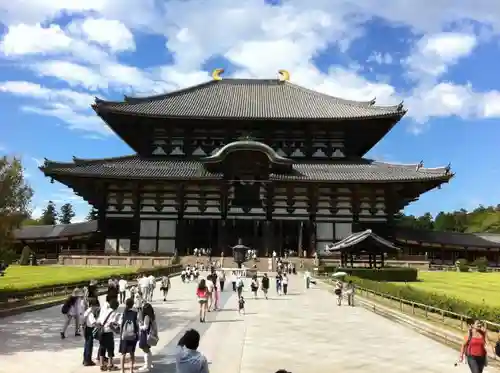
[[86, 161], [365, 104]]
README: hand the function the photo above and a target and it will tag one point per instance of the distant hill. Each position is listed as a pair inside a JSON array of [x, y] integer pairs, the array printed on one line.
[[480, 220]]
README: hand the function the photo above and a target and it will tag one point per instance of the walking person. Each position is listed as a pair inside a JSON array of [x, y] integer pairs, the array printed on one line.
[[210, 289], [165, 286], [122, 287], [307, 279], [239, 286], [202, 293], [222, 280], [151, 287], [254, 286], [349, 291], [89, 321], [72, 309], [187, 358], [143, 284], [284, 283], [338, 292], [241, 305], [278, 283], [233, 280], [475, 347], [148, 336], [129, 334], [265, 285]]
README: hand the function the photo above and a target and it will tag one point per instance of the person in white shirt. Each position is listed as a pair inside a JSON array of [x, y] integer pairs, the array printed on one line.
[[109, 320], [239, 285], [151, 287], [122, 288], [89, 321], [144, 286], [284, 283], [72, 309], [210, 288]]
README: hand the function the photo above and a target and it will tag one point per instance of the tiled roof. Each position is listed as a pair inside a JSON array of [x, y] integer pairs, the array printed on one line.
[[47, 232], [445, 238], [351, 242], [134, 167], [249, 99]]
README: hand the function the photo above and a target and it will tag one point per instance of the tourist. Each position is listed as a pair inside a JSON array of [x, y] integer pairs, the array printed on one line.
[[265, 284], [188, 359], [222, 280], [203, 295], [215, 291], [108, 320], [183, 275], [151, 287], [239, 285], [338, 292], [122, 287], [89, 321], [349, 292], [72, 309], [254, 286], [307, 278], [165, 286], [112, 292], [278, 283], [241, 305], [148, 336], [475, 347], [284, 283], [138, 299], [129, 334], [233, 280], [143, 283], [210, 289]]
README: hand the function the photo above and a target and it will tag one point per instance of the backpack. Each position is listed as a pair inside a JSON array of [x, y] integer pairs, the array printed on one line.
[[129, 326], [67, 305]]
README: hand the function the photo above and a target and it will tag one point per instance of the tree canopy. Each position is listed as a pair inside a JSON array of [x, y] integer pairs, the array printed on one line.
[[93, 214], [482, 219], [49, 214], [15, 199], [66, 213]]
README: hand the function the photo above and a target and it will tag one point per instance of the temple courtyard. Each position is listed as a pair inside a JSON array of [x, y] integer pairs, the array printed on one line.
[[304, 331]]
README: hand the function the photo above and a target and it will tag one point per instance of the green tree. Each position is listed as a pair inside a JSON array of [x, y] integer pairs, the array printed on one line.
[[425, 221], [444, 222], [49, 215], [93, 214], [66, 213], [15, 198]]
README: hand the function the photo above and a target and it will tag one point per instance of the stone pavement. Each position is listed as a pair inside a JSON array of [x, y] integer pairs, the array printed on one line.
[[303, 332]]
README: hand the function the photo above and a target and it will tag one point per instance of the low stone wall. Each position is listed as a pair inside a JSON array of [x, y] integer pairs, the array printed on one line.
[[419, 264], [125, 261]]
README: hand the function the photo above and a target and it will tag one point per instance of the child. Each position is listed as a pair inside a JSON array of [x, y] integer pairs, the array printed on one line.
[[89, 320], [241, 305]]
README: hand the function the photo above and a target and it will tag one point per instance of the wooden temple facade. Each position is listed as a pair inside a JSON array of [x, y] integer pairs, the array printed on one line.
[[275, 164]]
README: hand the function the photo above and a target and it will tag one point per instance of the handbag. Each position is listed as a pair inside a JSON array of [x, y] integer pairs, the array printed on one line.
[[152, 336], [98, 330]]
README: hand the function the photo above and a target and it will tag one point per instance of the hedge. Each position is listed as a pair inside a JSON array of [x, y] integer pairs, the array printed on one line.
[[7, 293], [462, 307], [391, 274]]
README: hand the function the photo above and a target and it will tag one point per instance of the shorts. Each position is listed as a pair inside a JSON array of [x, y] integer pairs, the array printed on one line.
[[107, 345], [128, 347], [202, 301]]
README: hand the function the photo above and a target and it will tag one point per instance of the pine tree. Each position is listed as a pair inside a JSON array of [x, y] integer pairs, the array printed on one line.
[[49, 215], [93, 214], [66, 213]]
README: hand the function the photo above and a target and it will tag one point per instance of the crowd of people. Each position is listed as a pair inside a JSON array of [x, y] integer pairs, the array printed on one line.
[[100, 322]]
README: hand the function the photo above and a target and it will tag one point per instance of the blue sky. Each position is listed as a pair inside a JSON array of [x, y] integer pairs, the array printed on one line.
[[439, 57]]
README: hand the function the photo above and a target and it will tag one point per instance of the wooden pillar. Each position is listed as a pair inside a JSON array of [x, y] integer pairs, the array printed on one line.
[[135, 235], [268, 233], [101, 216], [222, 237], [313, 196], [355, 210]]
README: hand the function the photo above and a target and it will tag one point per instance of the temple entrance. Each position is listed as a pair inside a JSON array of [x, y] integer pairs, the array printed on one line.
[[200, 233], [249, 231], [291, 236]]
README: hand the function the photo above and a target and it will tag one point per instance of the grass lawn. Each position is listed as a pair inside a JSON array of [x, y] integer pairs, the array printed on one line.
[[473, 287], [26, 277]]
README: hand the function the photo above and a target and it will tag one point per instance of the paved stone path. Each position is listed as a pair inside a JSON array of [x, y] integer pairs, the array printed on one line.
[[302, 332]]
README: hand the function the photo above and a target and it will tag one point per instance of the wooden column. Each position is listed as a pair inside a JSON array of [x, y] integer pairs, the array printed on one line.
[[355, 209], [312, 193], [222, 237], [181, 228], [134, 239], [268, 234], [101, 217]]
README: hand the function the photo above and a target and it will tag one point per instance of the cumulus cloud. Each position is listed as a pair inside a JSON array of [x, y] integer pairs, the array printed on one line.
[[256, 39]]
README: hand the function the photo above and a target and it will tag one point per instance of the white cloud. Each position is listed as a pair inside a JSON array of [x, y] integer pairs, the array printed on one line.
[[109, 33], [433, 54], [380, 58], [72, 73]]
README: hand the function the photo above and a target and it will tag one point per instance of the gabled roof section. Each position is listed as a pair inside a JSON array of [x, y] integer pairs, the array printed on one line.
[[249, 99], [483, 240], [338, 171], [351, 242], [52, 232]]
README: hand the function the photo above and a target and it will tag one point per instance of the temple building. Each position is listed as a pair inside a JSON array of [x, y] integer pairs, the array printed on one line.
[[279, 166]]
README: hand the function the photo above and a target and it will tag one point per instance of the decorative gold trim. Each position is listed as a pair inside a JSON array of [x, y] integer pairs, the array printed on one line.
[[216, 74], [285, 75]]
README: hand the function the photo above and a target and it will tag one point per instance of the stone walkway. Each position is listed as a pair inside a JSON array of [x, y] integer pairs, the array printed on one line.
[[301, 332]]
